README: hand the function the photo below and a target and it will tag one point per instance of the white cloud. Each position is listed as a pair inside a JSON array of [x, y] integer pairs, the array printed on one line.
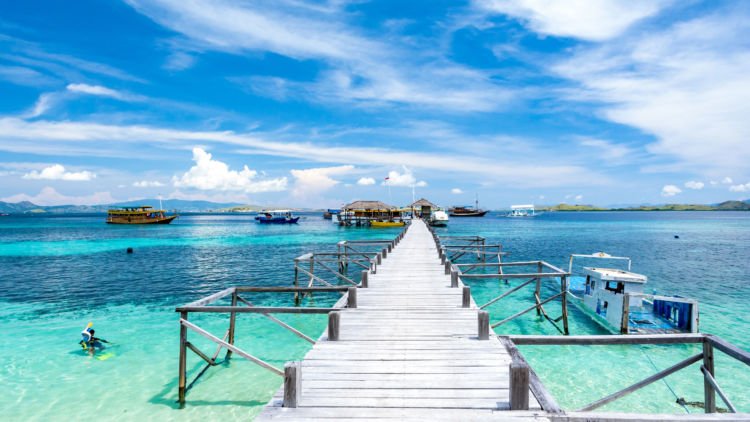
[[670, 190], [366, 181], [43, 103], [740, 188], [727, 181], [680, 84], [148, 184], [210, 174], [49, 196], [609, 151], [578, 197], [57, 172], [312, 182], [694, 185], [405, 179], [101, 91], [589, 20], [456, 191]]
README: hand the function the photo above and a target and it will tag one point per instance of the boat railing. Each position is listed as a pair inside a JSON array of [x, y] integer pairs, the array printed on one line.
[[685, 314], [711, 387]]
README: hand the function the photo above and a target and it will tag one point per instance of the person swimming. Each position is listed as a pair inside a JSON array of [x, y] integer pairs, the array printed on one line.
[[89, 342]]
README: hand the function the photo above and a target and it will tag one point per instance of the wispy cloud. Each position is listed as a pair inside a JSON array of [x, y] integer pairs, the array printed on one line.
[[360, 69], [588, 20], [49, 196], [366, 181], [695, 185], [311, 183], [148, 184], [679, 84], [86, 138]]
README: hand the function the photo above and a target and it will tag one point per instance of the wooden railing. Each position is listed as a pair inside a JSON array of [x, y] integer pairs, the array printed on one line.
[[708, 342]]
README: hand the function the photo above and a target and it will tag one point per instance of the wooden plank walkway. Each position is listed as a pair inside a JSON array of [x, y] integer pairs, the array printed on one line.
[[409, 351]]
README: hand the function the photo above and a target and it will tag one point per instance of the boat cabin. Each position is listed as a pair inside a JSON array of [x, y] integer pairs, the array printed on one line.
[[138, 215], [522, 211]]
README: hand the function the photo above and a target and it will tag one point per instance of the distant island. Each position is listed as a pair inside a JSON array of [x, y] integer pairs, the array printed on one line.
[[723, 206]]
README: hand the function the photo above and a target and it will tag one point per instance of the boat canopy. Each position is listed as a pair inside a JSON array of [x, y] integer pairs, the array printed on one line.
[[613, 274], [522, 207], [597, 255]]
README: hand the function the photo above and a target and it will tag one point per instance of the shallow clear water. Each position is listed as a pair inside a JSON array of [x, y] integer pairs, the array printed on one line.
[[58, 273]]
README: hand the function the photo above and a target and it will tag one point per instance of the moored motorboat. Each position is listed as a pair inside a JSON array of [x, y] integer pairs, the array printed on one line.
[[521, 211], [466, 211], [138, 215], [615, 298], [439, 219], [276, 217]]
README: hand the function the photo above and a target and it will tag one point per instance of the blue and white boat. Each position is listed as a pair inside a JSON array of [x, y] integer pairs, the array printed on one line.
[[615, 298], [276, 217]]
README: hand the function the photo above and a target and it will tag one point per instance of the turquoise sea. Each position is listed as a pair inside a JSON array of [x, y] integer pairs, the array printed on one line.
[[59, 272]]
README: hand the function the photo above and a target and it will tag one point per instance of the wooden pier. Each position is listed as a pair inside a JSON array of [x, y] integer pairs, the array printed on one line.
[[409, 346], [406, 340]]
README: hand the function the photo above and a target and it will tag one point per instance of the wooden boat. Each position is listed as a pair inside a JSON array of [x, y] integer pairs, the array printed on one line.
[[376, 223], [467, 211], [138, 215], [615, 299], [276, 217]]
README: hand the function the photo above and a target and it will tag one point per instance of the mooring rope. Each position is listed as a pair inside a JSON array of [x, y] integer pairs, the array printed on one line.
[[679, 401]]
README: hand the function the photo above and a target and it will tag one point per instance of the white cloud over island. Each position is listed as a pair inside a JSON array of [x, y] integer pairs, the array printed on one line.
[[210, 174], [58, 172]]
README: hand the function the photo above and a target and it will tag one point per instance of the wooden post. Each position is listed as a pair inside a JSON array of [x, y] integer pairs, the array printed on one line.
[[519, 386], [364, 279], [334, 319], [390, 247], [625, 323], [454, 278], [296, 283], [538, 290], [379, 258], [709, 394], [312, 268], [447, 267], [385, 253], [564, 304], [232, 320], [466, 297], [483, 325], [352, 297], [183, 360], [292, 384], [484, 256], [442, 257]]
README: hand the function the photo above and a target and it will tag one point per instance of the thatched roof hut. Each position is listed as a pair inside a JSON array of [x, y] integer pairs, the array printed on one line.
[[368, 205], [422, 203]]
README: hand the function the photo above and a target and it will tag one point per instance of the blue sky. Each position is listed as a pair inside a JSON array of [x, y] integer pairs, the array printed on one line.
[[315, 103]]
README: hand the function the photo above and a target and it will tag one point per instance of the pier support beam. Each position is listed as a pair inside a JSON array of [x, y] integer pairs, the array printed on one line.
[[454, 278], [709, 394], [519, 386], [385, 253], [232, 321], [292, 384], [483, 325], [183, 361], [334, 321], [364, 282], [447, 267], [351, 297], [466, 297]]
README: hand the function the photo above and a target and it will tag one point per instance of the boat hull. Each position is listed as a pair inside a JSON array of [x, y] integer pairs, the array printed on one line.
[[387, 224], [133, 220], [281, 220], [469, 214]]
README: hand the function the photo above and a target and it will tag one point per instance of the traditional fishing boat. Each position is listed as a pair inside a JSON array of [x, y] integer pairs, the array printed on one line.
[[276, 217], [614, 298], [376, 223], [467, 211], [138, 215]]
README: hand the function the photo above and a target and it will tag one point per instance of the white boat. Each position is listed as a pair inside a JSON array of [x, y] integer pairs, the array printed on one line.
[[615, 298], [439, 218], [521, 211]]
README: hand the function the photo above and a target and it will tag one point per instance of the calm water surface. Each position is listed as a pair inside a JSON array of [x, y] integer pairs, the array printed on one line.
[[58, 273]]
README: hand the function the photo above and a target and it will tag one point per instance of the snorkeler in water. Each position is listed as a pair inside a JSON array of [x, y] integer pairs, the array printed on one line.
[[89, 341]]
